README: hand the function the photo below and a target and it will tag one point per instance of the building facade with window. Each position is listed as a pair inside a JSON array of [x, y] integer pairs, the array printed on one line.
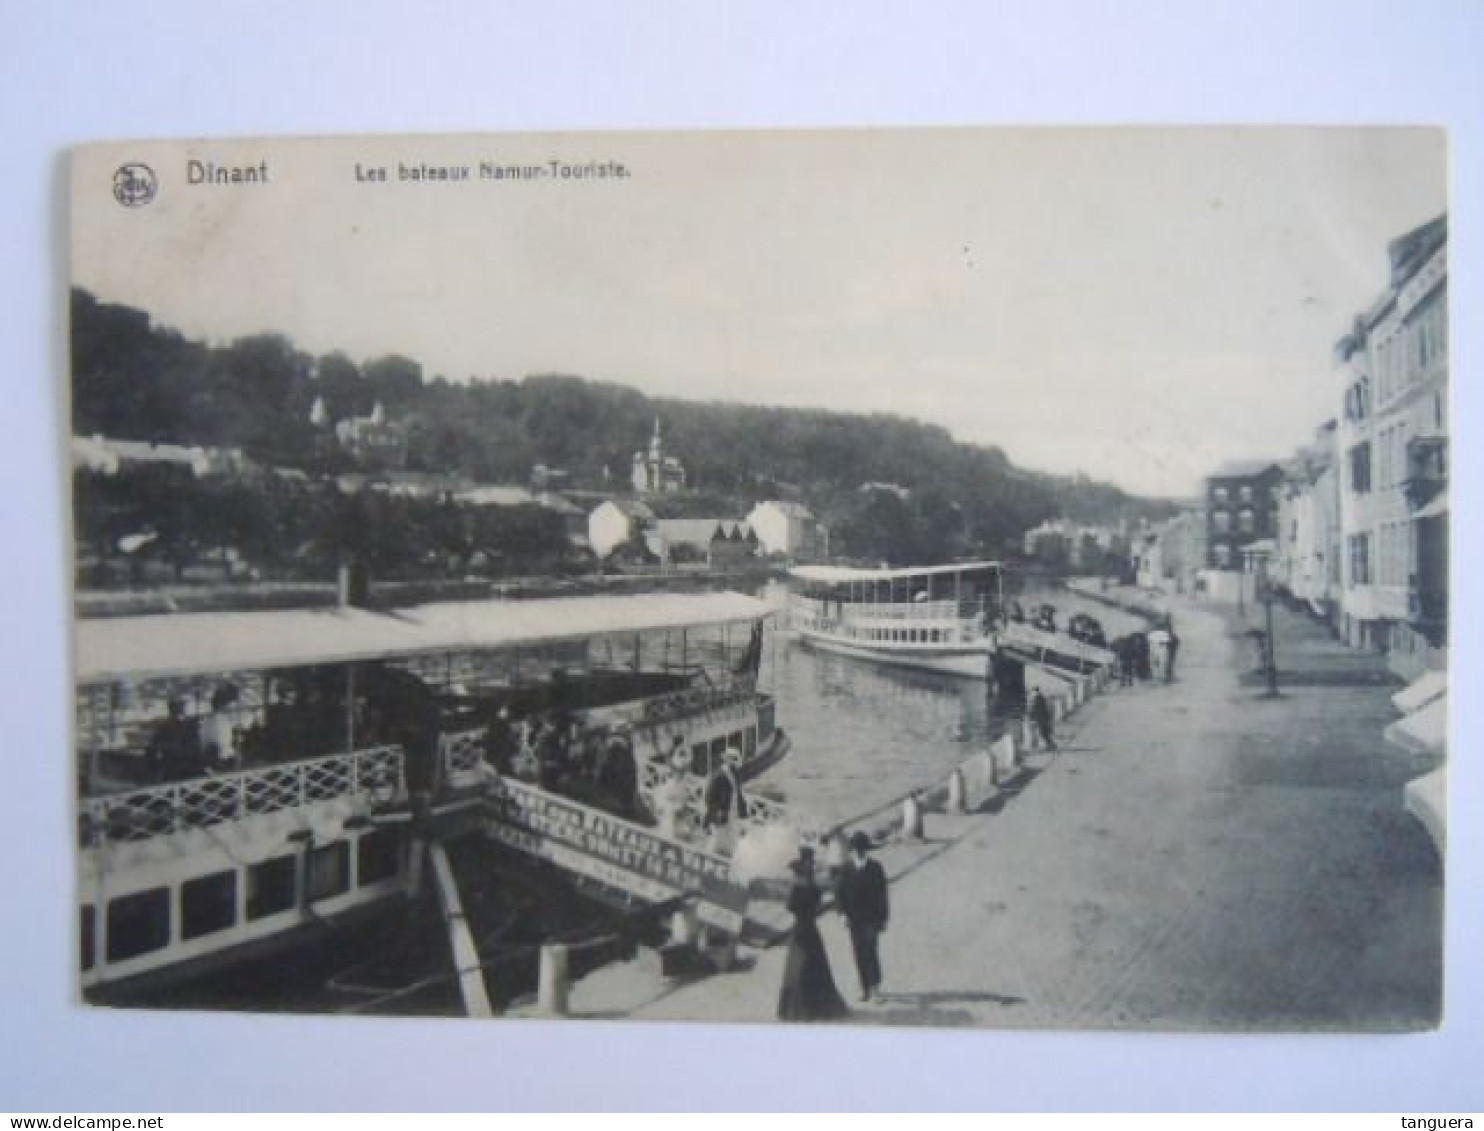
[[1241, 508], [1307, 562], [1393, 439]]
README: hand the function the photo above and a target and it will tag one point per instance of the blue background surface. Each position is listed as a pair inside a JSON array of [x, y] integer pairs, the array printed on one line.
[[74, 72]]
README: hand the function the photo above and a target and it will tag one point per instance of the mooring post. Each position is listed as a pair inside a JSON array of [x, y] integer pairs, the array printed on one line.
[[956, 800], [555, 983], [911, 818]]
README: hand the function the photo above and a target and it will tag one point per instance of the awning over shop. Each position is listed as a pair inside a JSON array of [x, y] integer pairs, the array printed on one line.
[[1424, 731], [1420, 692], [1426, 798]]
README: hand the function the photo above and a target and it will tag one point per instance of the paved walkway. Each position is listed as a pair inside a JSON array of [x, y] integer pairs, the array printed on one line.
[[1197, 857]]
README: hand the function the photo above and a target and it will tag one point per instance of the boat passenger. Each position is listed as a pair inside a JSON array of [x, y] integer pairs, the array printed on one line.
[[618, 775], [219, 732], [501, 742], [669, 802], [726, 807], [175, 748], [551, 761]]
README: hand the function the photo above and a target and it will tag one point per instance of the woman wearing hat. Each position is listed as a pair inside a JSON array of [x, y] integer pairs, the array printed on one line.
[[808, 992]]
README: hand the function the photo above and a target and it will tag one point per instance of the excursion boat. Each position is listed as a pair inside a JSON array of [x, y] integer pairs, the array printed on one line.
[[947, 618], [934, 618], [248, 778]]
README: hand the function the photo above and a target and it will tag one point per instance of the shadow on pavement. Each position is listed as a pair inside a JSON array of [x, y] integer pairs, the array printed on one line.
[[929, 1007]]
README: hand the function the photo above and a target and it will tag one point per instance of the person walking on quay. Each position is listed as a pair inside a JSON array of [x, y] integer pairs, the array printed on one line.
[[1123, 648], [1172, 649], [1042, 717], [863, 902], [808, 992]]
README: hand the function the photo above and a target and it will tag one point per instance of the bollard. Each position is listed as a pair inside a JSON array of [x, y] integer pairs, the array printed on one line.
[[990, 776], [683, 926], [554, 984], [911, 819], [1030, 738], [1003, 752], [835, 854], [956, 799]]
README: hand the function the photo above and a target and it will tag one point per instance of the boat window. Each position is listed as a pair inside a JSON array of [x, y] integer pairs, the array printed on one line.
[[138, 923], [87, 922], [328, 871], [749, 742], [208, 904], [270, 887], [377, 857]]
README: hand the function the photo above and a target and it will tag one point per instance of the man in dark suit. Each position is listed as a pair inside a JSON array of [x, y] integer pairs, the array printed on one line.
[[862, 899]]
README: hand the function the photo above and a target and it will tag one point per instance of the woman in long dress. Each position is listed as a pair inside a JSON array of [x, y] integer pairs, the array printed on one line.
[[808, 992]]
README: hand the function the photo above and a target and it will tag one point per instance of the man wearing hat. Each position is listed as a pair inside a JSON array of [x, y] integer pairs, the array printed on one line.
[[725, 804], [862, 900]]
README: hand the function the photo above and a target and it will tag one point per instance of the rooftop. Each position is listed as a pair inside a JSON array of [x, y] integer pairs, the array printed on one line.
[[1242, 468], [218, 643]]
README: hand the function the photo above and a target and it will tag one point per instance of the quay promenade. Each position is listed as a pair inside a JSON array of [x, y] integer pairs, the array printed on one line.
[[1195, 857]]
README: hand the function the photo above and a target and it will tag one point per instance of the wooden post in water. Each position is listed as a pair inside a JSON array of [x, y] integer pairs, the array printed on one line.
[[554, 982], [466, 959]]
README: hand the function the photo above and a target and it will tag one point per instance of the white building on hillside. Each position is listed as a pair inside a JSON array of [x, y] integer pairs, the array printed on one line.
[[656, 473], [788, 529], [616, 521]]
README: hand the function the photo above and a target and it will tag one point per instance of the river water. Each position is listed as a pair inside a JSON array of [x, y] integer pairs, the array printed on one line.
[[865, 734]]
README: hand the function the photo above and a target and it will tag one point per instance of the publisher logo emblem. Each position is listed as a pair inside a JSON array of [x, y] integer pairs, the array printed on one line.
[[134, 184]]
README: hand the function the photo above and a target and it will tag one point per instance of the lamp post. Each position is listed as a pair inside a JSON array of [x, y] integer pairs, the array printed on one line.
[[1265, 592]]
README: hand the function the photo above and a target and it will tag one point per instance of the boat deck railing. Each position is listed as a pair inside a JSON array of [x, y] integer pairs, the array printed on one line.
[[655, 779], [197, 803], [946, 610]]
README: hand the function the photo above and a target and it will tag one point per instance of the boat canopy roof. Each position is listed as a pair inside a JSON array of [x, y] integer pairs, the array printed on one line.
[[841, 574], [116, 648]]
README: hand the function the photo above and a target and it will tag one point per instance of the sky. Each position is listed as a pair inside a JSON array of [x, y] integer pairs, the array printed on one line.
[[1135, 304]]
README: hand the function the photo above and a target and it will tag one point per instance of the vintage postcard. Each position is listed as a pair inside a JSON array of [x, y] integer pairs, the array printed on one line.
[[965, 577]]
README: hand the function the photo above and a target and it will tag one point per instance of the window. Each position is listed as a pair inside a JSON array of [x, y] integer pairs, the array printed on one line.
[[138, 923], [1222, 521], [1360, 468], [1223, 555], [271, 886], [1360, 559], [327, 871], [86, 924], [208, 904], [1246, 492], [749, 747], [1246, 521], [377, 857], [1220, 494]]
